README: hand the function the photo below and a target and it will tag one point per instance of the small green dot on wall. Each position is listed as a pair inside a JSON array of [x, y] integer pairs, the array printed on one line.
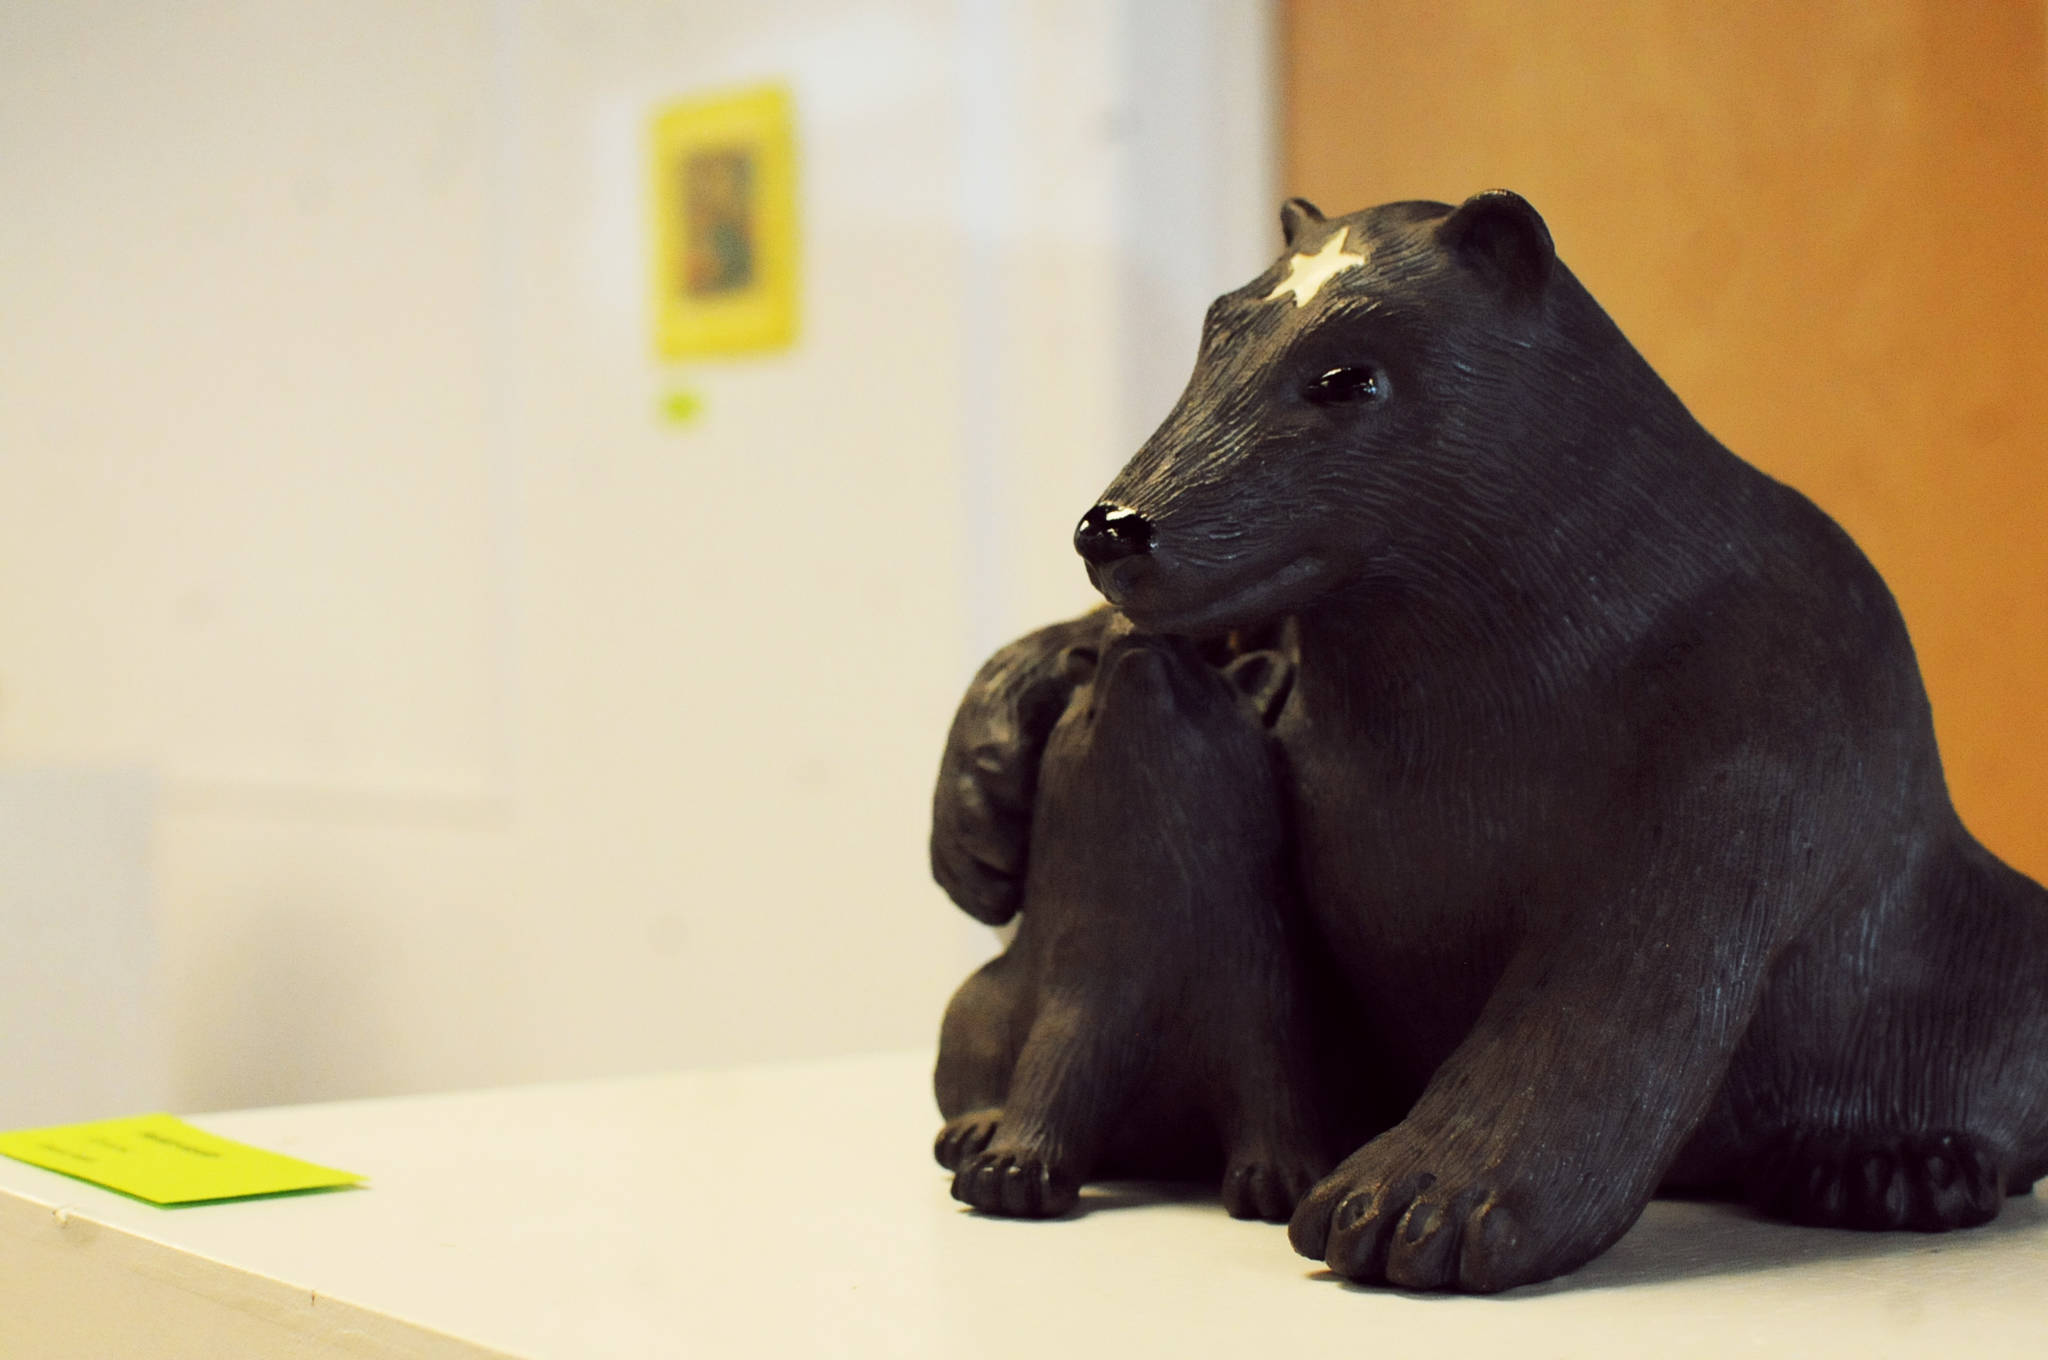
[[682, 408]]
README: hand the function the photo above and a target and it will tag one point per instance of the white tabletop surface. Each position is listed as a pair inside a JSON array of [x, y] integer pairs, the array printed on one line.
[[795, 1210]]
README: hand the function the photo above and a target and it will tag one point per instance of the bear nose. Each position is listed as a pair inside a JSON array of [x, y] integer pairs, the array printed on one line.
[[1110, 532]]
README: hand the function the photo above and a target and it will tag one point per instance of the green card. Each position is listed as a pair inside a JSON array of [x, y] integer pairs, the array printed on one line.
[[164, 1160]]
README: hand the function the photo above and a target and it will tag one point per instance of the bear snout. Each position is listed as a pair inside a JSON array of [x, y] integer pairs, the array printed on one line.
[[1110, 532]]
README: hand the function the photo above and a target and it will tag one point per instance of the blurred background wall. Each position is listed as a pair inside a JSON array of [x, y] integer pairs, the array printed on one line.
[[504, 729], [497, 728]]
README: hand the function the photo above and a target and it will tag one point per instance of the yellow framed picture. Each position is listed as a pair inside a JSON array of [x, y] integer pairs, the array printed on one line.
[[722, 193]]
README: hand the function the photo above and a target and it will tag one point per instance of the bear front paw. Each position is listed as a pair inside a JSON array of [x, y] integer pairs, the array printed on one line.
[[1393, 1214], [964, 1136], [1016, 1182], [1268, 1187]]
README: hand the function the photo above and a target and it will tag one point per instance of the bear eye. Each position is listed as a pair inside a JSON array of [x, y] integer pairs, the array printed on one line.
[[1341, 386]]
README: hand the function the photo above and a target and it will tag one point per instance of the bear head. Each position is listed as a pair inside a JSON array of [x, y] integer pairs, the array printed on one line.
[[1402, 385], [1151, 725]]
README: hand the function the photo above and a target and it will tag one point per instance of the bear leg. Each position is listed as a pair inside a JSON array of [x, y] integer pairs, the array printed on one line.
[[1539, 1140], [1073, 1079]]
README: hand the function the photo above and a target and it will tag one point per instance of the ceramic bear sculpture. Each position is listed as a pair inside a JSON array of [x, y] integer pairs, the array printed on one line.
[[1150, 1017], [1610, 779]]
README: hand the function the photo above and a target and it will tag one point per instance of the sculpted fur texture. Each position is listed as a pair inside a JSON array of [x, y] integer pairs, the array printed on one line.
[[1608, 779]]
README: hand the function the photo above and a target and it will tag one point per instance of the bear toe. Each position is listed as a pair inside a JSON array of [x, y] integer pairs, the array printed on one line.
[[1422, 1251]]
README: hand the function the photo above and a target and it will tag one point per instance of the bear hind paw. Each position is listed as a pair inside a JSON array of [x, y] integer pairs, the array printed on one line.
[[964, 1137], [1929, 1182], [1268, 1188]]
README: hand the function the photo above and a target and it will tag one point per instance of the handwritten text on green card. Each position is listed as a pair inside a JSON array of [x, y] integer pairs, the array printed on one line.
[[163, 1159]]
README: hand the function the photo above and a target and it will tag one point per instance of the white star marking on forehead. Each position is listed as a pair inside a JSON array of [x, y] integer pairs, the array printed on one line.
[[1306, 274]]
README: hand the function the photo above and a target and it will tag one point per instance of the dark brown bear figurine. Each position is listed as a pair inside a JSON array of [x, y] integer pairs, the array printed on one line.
[[1611, 778], [1148, 1019]]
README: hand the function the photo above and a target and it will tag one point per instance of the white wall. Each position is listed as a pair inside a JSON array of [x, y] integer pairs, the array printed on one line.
[[80, 1036], [505, 731]]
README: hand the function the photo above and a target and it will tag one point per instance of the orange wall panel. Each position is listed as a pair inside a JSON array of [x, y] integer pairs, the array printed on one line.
[[1826, 226]]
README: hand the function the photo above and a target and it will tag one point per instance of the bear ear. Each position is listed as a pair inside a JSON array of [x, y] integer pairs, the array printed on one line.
[[1266, 678], [1501, 236], [1297, 215]]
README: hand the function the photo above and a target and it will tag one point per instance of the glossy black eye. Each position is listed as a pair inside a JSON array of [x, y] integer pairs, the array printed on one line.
[[1342, 386]]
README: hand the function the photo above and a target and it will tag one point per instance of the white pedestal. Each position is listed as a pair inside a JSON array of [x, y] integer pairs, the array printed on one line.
[[795, 1211]]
